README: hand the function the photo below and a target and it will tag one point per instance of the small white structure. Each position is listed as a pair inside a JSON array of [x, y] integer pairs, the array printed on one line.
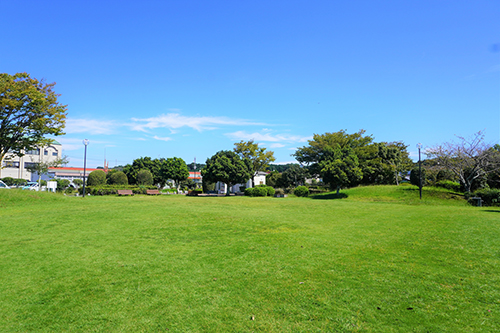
[[51, 186], [258, 179]]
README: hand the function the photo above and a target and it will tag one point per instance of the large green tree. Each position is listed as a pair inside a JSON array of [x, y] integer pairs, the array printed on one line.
[[294, 176], [321, 148], [226, 167], [29, 110], [258, 156], [176, 169], [341, 169], [153, 165]]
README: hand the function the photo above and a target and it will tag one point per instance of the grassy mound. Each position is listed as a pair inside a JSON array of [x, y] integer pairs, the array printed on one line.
[[405, 194]]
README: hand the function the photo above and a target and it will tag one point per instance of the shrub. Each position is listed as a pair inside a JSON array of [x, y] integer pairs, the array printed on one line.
[[19, 182], [490, 197], [450, 185], [249, 191], [78, 182], [144, 177], [270, 191], [118, 178], [279, 191], [97, 177], [301, 191], [260, 191], [414, 177], [9, 181]]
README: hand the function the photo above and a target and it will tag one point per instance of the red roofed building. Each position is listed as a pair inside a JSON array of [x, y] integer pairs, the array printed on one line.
[[69, 173]]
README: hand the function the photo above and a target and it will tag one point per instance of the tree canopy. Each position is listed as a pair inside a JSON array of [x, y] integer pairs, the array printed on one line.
[[174, 168], [29, 110], [259, 158], [226, 167], [468, 158]]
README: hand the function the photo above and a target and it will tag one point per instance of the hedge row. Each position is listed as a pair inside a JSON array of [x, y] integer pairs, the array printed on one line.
[[112, 189], [490, 197], [259, 191]]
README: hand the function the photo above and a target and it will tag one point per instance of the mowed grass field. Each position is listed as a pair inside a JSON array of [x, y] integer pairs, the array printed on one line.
[[379, 260]]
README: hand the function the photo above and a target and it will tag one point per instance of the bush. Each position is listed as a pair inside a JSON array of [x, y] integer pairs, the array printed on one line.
[[96, 178], [450, 185], [78, 182], [279, 191], [9, 181], [270, 191], [490, 197], [260, 191], [249, 191], [301, 191], [118, 178], [144, 177], [414, 177]]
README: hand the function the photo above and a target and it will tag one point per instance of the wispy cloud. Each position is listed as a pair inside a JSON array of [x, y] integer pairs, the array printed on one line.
[[276, 145], [267, 137], [176, 120], [161, 139], [90, 126], [77, 144]]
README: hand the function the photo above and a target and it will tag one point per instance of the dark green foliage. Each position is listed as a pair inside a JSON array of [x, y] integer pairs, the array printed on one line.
[[113, 189], [301, 191], [415, 178], [118, 178], [280, 167], [226, 167], [62, 184], [9, 181], [249, 191], [144, 177], [272, 178], [450, 185], [176, 169], [97, 177], [341, 169], [445, 174], [207, 186], [259, 191], [78, 182], [490, 197], [153, 165], [295, 175], [270, 191]]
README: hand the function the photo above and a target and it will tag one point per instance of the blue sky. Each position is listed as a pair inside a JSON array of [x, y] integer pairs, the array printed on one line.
[[190, 78]]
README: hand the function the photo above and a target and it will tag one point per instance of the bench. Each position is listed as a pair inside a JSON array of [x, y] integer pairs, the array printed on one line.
[[125, 192], [152, 192]]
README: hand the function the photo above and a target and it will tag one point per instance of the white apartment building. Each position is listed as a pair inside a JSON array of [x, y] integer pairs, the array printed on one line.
[[15, 166]]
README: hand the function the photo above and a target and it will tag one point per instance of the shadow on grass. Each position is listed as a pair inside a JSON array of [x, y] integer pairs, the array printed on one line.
[[330, 196], [491, 211]]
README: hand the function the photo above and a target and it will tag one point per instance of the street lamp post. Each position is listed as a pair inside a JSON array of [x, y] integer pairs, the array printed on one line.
[[85, 143], [419, 146]]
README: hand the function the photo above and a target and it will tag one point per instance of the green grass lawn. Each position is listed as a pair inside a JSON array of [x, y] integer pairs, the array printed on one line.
[[379, 260]]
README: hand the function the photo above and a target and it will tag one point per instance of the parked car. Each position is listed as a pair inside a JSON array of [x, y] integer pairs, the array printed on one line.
[[32, 186], [3, 185]]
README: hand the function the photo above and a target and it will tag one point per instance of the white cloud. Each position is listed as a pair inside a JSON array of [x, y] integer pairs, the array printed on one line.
[[276, 145], [267, 137], [91, 126], [162, 139], [175, 120]]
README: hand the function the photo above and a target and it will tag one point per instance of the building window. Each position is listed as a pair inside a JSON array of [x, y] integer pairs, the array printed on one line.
[[29, 164], [11, 164], [33, 152], [46, 152], [54, 153]]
